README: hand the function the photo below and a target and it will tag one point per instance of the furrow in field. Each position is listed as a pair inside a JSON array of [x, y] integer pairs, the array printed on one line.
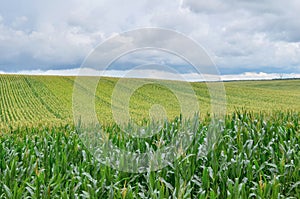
[[24, 99], [47, 98], [25, 104], [8, 104], [60, 90], [43, 112], [16, 99], [2, 102]]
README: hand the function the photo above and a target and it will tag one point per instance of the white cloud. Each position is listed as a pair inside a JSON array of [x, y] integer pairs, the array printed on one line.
[[240, 36], [157, 74]]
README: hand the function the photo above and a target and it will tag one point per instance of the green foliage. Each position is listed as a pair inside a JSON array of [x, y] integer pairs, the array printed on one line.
[[256, 156], [47, 100]]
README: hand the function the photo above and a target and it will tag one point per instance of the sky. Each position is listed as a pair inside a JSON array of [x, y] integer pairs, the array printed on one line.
[[257, 37]]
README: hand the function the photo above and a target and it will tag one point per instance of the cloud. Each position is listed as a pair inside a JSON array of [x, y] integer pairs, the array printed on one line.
[[240, 35], [153, 73], [250, 34]]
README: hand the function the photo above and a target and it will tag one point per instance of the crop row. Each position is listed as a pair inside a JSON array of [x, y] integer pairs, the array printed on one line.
[[22, 101], [255, 156], [48, 99]]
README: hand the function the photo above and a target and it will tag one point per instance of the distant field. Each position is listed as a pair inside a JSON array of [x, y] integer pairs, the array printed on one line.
[[33, 100], [256, 155]]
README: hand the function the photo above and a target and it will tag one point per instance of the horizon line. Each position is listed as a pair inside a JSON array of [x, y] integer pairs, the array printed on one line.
[[154, 74]]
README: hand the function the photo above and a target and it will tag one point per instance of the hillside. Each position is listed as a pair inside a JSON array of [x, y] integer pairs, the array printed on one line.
[[37, 100]]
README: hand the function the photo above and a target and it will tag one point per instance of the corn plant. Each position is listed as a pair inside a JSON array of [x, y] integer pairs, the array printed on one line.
[[256, 155]]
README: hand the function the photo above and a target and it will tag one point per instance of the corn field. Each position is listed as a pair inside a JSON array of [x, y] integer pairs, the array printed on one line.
[[47, 100], [257, 155]]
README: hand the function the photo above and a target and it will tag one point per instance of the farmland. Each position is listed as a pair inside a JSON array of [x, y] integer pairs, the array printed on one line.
[[256, 155], [33, 100]]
